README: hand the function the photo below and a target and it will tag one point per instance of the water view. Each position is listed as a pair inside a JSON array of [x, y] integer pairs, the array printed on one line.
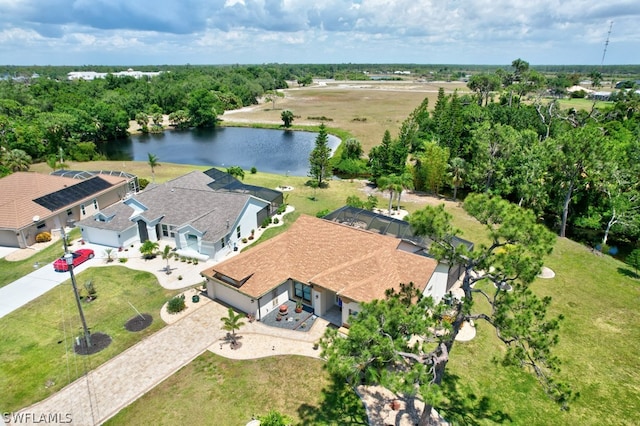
[[268, 150]]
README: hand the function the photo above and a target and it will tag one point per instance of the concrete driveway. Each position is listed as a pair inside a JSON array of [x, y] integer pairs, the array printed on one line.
[[38, 282]]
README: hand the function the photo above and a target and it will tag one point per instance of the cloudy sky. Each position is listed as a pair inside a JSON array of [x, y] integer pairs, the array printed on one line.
[[141, 32]]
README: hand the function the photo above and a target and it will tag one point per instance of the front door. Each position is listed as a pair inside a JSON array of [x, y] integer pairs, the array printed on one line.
[[142, 231]]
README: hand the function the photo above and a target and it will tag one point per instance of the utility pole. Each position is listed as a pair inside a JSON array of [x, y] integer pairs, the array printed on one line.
[[87, 336], [68, 257]]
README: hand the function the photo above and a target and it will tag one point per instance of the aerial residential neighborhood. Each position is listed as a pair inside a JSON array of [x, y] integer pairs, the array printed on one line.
[[303, 213]]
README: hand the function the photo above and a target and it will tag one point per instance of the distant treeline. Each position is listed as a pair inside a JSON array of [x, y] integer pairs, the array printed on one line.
[[338, 71]]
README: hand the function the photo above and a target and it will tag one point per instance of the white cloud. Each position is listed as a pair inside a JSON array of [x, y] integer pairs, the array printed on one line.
[[452, 31]]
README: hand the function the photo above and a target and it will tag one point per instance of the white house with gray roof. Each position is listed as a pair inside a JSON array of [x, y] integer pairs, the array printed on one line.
[[199, 220]]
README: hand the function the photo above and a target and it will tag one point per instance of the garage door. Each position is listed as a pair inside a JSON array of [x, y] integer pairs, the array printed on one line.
[[8, 239]]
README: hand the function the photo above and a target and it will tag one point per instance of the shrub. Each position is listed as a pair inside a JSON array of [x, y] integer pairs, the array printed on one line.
[[176, 304], [281, 208], [123, 260], [266, 222], [43, 237], [142, 183], [254, 170], [323, 213], [276, 220], [244, 240]]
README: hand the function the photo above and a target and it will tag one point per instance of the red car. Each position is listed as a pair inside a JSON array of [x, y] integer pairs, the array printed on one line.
[[79, 256]]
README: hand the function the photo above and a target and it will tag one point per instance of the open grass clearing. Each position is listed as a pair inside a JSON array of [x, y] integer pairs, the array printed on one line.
[[364, 108], [219, 391], [36, 348]]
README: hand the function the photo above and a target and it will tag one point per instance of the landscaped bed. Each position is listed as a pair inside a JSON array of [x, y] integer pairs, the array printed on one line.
[[37, 346]]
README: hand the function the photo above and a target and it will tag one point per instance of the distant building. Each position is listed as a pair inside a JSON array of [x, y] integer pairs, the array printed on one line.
[[92, 75]]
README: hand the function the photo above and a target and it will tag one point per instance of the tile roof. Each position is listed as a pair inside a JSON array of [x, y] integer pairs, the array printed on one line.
[[18, 190], [357, 264]]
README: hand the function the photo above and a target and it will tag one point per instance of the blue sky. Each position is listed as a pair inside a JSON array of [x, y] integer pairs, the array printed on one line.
[[144, 32]]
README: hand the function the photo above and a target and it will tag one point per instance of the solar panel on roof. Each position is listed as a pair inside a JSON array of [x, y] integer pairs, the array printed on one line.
[[64, 197]]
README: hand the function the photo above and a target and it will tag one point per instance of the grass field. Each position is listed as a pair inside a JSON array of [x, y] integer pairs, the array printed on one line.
[[365, 109], [36, 349], [213, 390]]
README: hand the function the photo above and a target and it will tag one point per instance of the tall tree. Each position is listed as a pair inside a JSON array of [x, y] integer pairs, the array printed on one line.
[[201, 108], [320, 166], [287, 118], [577, 156], [389, 183], [456, 174], [404, 181], [483, 84], [143, 121], [152, 161], [405, 342]]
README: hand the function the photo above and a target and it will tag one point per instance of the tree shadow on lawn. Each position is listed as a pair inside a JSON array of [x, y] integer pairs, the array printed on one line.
[[627, 272], [340, 405], [462, 407]]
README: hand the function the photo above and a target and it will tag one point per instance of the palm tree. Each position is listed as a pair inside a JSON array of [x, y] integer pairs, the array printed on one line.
[[405, 181], [287, 117], [153, 163], [385, 184], [456, 174], [148, 249], [232, 323], [166, 255], [16, 160], [392, 184], [108, 253]]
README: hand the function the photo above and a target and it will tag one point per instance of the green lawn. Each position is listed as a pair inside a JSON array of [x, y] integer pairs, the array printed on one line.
[[36, 345], [11, 271], [599, 346], [213, 390]]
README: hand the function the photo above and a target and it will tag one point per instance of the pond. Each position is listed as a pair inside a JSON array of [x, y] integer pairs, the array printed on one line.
[[268, 150]]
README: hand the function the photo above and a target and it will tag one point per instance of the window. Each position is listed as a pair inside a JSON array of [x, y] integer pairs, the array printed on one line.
[[41, 225], [165, 231], [69, 212], [82, 209], [302, 291], [95, 204], [238, 231], [222, 242]]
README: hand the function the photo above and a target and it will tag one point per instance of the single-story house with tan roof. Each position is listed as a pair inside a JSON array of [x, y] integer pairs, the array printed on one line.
[[325, 265], [199, 220], [31, 203]]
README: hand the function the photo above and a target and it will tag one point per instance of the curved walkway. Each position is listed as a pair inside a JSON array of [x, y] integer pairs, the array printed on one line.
[[103, 392]]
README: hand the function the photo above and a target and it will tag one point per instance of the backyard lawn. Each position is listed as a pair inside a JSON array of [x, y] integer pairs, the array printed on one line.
[[36, 348], [218, 391]]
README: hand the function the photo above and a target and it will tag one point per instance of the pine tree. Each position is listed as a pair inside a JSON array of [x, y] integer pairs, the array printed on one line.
[[320, 168]]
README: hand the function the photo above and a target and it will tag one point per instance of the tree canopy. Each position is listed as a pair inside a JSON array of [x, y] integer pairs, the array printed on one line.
[[405, 341]]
